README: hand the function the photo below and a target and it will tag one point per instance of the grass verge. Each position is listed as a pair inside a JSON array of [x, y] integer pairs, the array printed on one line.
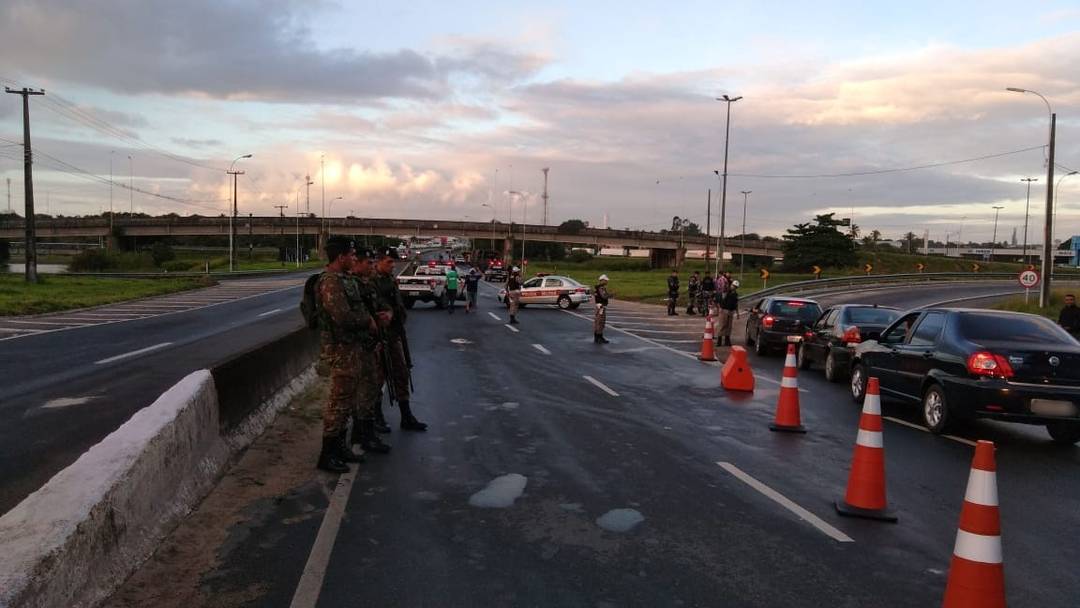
[[1017, 304], [64, 292]]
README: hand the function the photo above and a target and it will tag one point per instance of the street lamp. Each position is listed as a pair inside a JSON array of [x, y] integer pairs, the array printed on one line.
[[524, 212], [1048, 227], [330, 209], [723, 189], [492, 207], [993, 243], [1027, 206], [232, 218], [742, 256]]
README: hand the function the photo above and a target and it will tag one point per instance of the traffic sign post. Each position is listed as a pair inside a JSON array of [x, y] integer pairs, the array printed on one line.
[[1028, 279], [764, 278]]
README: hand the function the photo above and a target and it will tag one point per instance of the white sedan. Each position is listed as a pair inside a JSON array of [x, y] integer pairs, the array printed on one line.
[[564, 292]]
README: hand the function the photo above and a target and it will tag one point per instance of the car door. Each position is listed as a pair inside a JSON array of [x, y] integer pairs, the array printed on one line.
[[822, 331], [552, 288], [883, 360], [753, 323], [917, 356], [530, 290]]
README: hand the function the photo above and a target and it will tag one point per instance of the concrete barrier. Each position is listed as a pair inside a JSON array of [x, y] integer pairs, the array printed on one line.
[[77, 538]]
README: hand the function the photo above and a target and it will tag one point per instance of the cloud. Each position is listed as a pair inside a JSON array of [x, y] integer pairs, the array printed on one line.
[[249, 49], [197, 143]]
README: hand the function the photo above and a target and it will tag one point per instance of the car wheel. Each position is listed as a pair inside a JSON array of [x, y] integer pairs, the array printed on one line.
[[1064, 433], [748, 340], [759, 346], [832, 373], [441, 301], [801, 361], [564, 302], [935, 412], [858, 383]]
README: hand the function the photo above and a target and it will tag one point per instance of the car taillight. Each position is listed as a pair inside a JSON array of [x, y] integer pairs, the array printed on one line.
[[580, 290], [851, 335], [768, 321], [989, 364]]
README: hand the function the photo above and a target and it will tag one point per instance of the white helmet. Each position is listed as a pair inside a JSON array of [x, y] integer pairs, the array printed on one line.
[[735, 283], [603, 277], [515, 269]]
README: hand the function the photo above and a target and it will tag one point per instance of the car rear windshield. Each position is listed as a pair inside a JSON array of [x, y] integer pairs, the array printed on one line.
[[1020, 329], [871, 316], [807, 312]]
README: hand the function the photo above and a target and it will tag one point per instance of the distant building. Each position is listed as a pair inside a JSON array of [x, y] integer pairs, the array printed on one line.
[[1073, 245]]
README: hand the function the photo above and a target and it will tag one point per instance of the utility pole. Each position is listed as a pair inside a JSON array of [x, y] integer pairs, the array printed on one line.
[[9, 208], [131, 185], [723, 187], [232, 219], [281, 209], [322, 180], [1027, 206], [108, 241], [742, 257], [28, 184], [545, 170], [993, 244], [708, 225], [1048, 227]]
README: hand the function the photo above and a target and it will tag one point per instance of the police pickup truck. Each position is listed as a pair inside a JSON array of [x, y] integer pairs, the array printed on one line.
[[424, 283]]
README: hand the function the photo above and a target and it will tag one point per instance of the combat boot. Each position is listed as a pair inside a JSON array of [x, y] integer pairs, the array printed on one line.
[[380, 420], [369, 440], [600, 339], [513, 320], [328, 458], [408, 421], [345, 453]]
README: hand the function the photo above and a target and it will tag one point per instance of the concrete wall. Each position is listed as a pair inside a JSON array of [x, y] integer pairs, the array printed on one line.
[[79, 536]]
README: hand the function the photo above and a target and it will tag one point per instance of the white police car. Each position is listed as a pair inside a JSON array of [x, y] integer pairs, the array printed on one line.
[[564, 292]]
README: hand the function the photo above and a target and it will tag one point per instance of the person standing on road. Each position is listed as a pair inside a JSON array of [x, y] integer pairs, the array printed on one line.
[[364, 298], [513, 293], [339, 327], [602, 295], [1069, 318], [451, 286], [729, 310], [672, 293], [399, 373], [708, 291], [693, 290], [472, 286]]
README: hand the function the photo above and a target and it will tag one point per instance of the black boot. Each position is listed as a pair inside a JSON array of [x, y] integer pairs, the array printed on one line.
[[596, 338], [408, 421], [345, 453], [328, 458], [600, 339], [369, 440], [380, 420], [513, 320]]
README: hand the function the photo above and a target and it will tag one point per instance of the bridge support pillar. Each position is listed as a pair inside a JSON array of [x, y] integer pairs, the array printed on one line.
[[665, 258], [508, 250]]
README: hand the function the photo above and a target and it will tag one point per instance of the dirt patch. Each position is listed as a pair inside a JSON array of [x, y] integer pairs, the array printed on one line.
[[278, 462]]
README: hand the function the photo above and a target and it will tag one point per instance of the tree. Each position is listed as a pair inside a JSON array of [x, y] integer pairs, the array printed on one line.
[[572, 226], [909, 241], [819, 243]]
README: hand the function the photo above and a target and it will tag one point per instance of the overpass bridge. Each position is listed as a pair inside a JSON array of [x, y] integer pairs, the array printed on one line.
[[666, 249]]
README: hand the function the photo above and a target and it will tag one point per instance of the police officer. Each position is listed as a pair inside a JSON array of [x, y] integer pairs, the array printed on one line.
[[729, 310], [340, 326], [672, 293], [708, 290], [513, 293], [364, 297], [387, 288], [602, 295], [693, 287]]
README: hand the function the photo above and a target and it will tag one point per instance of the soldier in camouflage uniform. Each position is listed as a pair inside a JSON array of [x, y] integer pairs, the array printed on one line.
[[386, 285], [340, 326], [363, 297]]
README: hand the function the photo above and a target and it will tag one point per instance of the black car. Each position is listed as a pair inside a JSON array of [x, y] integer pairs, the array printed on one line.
[[833, 337], [778, 321], [961, 363]]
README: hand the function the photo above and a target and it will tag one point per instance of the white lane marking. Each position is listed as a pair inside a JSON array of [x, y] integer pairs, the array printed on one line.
[[66, 402], [511, 328], [540, 347], [666, 331], [969, 298], [21, 330], [269, 312], [926, 430], [783, 501], [601, 386], [698, 341], [21, 321], [133, 353], [495, 316], [311, 581]]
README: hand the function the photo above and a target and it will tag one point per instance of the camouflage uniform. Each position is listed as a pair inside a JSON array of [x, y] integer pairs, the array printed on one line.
[[341, 326], [390, 298], [363, 299]]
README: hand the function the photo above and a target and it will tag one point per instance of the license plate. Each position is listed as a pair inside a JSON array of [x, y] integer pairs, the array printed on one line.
[[794, 338], [1050, 407]]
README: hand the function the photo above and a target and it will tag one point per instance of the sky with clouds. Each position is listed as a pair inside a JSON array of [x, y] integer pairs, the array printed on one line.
[[437, 110]]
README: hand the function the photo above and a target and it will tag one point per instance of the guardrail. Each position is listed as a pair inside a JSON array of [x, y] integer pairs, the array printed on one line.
[[906, 278]]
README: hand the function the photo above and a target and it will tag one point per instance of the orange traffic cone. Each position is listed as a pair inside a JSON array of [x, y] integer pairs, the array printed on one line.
[[977, 574], [736, 374], [707, 352], [787, 418], [865, 495]]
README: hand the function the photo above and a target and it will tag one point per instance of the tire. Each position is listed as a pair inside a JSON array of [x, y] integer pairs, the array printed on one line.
[[858, 383], [934, 410], [759, 347], [1064, 433], [409, 302], [749, 342], [833, 373], [564, 302], [441, 302], [801, 361]]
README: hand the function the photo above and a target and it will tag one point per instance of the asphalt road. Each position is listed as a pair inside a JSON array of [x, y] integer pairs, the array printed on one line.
[[562, 473]]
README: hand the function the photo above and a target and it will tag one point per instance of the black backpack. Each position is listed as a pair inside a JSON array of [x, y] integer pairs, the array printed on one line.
[[309, 302]]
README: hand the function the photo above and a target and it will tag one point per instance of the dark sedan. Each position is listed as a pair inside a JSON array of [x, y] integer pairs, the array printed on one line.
[[777, 321], [960, 364], [835, 335]]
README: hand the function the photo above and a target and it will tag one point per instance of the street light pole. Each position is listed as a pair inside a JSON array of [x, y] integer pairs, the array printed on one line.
[[723, 188], [742, 256], [1048, 226], [1027, 206], [232, 218], [993, 243]]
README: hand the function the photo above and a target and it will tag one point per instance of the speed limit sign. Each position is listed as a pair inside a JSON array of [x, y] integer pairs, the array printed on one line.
[[1028, 278]]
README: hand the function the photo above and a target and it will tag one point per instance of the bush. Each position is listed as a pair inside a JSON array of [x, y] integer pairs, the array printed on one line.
[[579, 256], [180, 266], [97, 260], [161, 252], [89, 260]]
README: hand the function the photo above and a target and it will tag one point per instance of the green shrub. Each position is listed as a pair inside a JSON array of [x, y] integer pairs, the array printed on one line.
[[579, 257], [162, 252], [89, 260], [97, 260], [181, 266]]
